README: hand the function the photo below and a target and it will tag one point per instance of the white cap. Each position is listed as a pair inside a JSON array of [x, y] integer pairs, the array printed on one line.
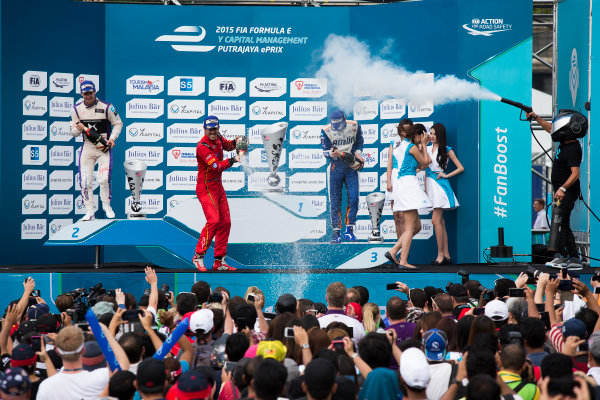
[[202, 319], [496, 310], [414, 368]]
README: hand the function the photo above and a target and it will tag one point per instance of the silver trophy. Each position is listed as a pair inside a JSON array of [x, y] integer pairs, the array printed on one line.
[[273, 137], [135, 171], [375, 203]]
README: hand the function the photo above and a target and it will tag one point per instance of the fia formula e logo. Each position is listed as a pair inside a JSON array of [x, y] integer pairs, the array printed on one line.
[[192, 37]]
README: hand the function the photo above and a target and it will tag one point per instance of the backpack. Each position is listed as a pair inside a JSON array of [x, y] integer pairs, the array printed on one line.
[[202, 354]]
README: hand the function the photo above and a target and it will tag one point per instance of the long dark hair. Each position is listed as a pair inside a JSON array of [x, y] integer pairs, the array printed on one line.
[[440, 138]]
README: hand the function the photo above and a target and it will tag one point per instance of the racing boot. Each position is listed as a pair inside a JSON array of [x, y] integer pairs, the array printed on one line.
[[110, 214], [89, 214], [336, 238], [349, 234], [220, 265], [198, 262]]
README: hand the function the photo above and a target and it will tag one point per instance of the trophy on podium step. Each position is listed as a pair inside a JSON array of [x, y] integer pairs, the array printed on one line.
[[375, 203], [272, 138], [135, 171]]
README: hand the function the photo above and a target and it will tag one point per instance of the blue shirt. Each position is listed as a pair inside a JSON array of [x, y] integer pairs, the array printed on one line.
[[409, 164]]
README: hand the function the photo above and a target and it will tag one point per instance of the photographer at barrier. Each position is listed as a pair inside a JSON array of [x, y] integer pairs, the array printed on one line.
[[566, 127]]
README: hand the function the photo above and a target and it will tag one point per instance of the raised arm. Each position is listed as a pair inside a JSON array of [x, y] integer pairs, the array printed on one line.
[[146, 321], [116, 348], [420, 155], [12, 316], [152, 279], [551, 289], [28, 287], [362, 366], [547, 126], [259, 303]]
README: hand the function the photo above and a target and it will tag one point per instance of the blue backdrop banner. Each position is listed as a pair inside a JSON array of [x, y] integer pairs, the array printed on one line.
[[254, 66]]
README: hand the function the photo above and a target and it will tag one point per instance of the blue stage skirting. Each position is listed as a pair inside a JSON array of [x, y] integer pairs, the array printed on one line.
[[309, 285]]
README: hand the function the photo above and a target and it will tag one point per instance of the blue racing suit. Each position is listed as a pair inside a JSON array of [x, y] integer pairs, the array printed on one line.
[[349, 140]]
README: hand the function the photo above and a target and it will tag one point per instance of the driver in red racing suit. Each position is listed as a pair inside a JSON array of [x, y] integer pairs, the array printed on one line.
[[211, 194]]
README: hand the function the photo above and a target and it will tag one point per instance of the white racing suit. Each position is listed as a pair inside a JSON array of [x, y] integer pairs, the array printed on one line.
[[104, 118]]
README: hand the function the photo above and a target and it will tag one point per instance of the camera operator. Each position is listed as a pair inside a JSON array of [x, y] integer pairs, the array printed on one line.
[[566, 127]]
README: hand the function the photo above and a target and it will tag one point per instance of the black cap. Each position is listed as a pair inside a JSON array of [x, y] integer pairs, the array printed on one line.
[[48, 323], [25, 328], [286, 303], [151, 376], [457, 290]]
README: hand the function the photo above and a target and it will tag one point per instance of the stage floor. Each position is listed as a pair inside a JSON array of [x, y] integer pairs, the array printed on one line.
[[501, 268]]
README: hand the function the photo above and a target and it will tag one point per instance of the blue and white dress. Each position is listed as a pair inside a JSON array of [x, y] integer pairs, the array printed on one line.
[[407, 194], [397, 158], [439, 191]]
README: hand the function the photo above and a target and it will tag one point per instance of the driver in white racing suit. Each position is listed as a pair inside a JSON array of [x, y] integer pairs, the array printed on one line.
[[100, 125]]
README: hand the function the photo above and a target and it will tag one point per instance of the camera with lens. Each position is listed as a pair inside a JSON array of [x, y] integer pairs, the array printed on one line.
[[464, 274], [94, 293], [488, 294], [165, 289]]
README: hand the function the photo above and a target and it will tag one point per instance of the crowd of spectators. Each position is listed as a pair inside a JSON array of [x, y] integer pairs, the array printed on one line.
[[535, 337]]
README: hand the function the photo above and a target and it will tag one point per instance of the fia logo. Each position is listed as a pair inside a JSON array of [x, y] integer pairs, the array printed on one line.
[[227, 87], [34, 81]]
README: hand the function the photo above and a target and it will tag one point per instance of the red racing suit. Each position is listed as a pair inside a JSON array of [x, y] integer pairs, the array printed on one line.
[[211, 193]]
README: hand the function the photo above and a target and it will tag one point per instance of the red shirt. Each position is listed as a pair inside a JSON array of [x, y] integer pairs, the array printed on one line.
[[209, 154]]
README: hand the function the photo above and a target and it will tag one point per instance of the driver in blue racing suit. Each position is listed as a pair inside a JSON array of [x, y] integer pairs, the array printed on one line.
[[342, 139]]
